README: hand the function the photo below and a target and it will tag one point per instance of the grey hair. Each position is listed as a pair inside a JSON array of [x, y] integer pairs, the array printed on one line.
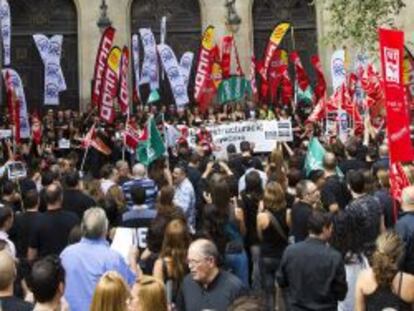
[[302, 188], [94, 223], [139, 170], [207, 248]]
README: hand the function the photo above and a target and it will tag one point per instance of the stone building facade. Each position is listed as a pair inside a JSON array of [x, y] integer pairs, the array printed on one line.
[[77, 21]]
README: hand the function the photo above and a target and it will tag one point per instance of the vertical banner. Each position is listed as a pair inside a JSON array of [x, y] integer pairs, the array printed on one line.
[[163, 36], [398, 121], [338, 71], [5, 23], [110, 86], [274, 42], [135, 57], [123, 95], [14, 85], [149, 73], [100, 64], [172, 68], [252, 78], [186, 63], [204, 88], [50, 51]]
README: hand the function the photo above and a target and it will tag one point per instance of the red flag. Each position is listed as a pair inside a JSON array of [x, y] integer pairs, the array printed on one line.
[[398, 120], [320, 87], [287, 87], [123, 96], [226, 48], [204, 89], [13, 107], [375, 96], [36, 129], [253, 82], [131, 135], [92, 140], [101, 61], [110, 86], [301, 75]]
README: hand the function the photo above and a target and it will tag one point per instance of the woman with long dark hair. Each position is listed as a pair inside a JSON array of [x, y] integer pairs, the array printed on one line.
[[223, 223], [171, 266]]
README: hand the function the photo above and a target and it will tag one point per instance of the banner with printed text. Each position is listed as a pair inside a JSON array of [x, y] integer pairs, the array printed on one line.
[[5, 24], [398, 121], [100, 64], [149, 71]]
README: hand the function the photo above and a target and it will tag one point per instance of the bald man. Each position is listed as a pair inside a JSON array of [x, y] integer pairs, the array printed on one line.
[[140, 179], [334, 193], [405, 228], [7, 276], [207, 287]]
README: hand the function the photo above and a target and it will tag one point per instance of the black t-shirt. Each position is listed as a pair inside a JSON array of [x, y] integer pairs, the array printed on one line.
[[14, 304], [50, 236], [77, 202], [22, 230], [300, 215], [334, 191], [273, 244]]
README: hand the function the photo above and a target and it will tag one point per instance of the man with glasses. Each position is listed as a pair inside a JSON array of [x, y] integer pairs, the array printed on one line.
[[207, 286]]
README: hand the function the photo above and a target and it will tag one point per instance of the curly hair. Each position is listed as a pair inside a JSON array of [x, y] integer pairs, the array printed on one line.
[[387, 257]]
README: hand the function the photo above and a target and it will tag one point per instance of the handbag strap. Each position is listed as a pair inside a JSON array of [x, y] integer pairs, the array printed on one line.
[[275, 223]]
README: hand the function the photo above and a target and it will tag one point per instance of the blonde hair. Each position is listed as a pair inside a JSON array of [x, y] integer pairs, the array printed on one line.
[[386, 258], [151, 294], [274, 197], [111, 293]]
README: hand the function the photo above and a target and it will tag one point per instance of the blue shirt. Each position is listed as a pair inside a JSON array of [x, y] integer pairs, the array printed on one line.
[[85, 262], [184, 198], [151, 191]]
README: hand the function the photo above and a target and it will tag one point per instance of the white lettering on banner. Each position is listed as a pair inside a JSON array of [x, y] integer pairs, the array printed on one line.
[[262, 133], [142, 237], [103, 56], [107, 108], [201, 71], [396, 136], [392, 65]]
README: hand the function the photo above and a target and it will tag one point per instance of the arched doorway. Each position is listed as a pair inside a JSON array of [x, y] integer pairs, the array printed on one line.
[[183, 33], [48, 17], [300, 13]]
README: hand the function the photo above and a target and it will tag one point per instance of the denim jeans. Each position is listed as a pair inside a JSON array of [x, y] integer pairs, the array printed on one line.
[[238, 265]]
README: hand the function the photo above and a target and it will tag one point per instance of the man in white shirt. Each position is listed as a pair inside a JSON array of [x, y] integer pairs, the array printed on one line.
[[184, 196]]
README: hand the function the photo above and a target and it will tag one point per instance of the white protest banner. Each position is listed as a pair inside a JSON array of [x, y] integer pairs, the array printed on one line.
[[171, 67], [135, 57], [338, 69], [5, 134], [17, 85], [5, 24], [50, 51], [149, 72], [264, 134], [186, 62]]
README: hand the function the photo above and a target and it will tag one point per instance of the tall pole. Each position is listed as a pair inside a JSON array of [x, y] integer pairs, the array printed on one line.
[[1, 69]]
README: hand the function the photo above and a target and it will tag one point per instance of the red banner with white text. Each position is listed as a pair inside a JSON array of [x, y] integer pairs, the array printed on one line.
[[398, 120]]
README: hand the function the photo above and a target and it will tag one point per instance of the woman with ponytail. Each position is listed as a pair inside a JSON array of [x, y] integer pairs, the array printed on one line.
[[384, 286]]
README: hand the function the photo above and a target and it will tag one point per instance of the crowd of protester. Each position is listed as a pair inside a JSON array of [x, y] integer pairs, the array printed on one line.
[[245, 232]]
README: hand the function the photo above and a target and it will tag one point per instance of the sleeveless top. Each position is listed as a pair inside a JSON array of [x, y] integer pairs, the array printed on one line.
[[273, 244], [384, 299]]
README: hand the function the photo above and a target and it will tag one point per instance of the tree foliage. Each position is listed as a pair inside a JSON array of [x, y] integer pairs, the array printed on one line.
[[357, 21]]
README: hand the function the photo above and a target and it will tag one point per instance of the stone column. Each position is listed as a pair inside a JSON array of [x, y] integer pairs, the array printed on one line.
[[89, 37], [214, 12]]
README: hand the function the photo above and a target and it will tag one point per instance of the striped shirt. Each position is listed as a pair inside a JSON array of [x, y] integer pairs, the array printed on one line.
[[150, 187]]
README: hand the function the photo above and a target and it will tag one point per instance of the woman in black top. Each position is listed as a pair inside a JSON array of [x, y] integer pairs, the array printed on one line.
[[383, 286], [272, 228], [251, 197]]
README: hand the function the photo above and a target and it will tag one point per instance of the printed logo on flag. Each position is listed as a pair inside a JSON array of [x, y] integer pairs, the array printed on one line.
[[392, 62]]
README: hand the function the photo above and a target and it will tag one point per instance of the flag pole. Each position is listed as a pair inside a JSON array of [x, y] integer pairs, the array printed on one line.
[[295, 88], [86, 153]]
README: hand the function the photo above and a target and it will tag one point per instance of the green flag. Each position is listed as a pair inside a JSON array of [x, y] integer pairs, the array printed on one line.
[[153, 97], [305, 96], [233, 89], [152, 147], [314, 156]]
